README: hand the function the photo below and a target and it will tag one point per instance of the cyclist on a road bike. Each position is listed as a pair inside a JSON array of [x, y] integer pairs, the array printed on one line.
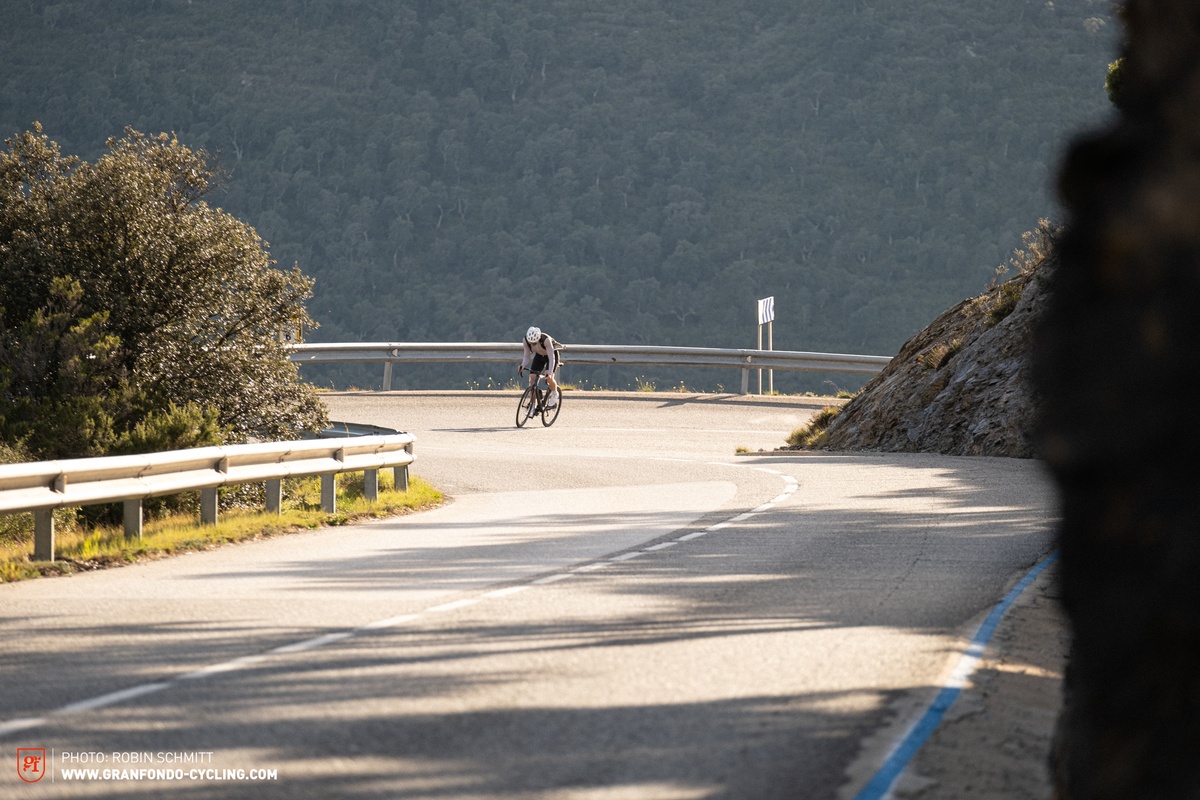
[[540, 356]]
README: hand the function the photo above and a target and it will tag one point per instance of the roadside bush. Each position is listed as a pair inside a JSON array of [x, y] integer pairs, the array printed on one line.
[[175, 428], [123, 292]]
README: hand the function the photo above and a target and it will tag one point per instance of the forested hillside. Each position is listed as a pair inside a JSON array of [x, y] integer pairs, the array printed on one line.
[[634, 171]]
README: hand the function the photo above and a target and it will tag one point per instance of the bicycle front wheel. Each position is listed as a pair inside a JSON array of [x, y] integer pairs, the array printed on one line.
[[526, 407], [551, 414]]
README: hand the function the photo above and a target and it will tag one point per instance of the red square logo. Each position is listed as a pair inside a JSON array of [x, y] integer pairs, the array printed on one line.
[[31, 763]]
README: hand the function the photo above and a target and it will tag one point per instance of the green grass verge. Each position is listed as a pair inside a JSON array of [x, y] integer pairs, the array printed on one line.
[[97, 548]]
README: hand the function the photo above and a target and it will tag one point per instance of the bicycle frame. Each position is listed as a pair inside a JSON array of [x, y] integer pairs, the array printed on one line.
[[533, 402]]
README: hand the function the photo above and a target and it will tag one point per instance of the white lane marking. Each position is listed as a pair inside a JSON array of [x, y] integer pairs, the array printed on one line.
[[390, 622], [113, 698], [507, 591], [561, 576], [23, 724], [453, 605], [225, 666], [312, 644]]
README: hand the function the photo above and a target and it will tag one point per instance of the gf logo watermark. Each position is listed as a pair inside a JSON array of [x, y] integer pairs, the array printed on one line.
[[182, 765], [31, 763]]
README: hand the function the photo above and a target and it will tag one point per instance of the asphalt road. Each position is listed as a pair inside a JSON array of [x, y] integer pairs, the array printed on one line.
[[615, 607]]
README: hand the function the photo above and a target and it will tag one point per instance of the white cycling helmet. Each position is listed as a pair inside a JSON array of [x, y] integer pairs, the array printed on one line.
[[533, 334]]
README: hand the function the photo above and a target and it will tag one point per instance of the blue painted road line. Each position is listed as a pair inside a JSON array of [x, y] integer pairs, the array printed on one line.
[[898, 761]]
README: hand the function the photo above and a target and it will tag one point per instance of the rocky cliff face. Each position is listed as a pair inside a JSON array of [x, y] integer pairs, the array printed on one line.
[[962, 385]]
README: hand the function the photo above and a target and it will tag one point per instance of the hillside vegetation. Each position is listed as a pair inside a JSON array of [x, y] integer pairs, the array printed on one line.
[[636, 171]]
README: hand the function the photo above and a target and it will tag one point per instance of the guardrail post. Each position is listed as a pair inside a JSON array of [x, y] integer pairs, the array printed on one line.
[[43, 535], [400, 474], [371, 484], [770, 346], [133, 518], [745, 381], [275, 497], [329, 493], [387, 376], [760, 348], [208, 506]]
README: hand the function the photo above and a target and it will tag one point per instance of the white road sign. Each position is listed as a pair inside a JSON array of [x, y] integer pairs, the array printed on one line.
[[766, 310]]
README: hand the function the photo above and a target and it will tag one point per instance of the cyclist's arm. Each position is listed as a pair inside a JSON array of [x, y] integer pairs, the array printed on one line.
[[526, 356], [551, 357]]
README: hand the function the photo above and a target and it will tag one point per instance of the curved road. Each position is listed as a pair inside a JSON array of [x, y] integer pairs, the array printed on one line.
[[615, 607]]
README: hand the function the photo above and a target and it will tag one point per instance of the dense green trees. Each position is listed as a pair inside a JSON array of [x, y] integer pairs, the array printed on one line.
[[637, 172], [132, 314]]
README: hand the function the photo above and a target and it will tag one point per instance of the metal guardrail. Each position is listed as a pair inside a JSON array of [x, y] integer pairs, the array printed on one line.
[[43, 486], [342, 430], [640, 355]]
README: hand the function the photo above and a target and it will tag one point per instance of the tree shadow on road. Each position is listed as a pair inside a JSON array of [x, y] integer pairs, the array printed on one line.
[[456, 704]]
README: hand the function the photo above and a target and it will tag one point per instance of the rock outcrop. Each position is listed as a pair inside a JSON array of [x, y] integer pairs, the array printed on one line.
[[962, 385]]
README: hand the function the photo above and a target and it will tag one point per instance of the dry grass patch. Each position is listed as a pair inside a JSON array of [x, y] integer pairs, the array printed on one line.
[[81, 549], [814, 435]]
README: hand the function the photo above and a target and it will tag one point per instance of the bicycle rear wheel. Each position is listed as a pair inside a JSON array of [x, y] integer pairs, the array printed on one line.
[[551, 414], [526, 406]]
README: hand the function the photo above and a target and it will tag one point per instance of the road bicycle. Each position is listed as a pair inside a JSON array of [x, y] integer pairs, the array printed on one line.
[[533, 403]]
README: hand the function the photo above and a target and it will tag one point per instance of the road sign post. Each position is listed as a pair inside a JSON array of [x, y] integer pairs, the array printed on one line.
[[766, 316]]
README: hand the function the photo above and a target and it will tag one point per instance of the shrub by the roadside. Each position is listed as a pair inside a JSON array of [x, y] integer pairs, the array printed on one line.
[[813, 435]]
